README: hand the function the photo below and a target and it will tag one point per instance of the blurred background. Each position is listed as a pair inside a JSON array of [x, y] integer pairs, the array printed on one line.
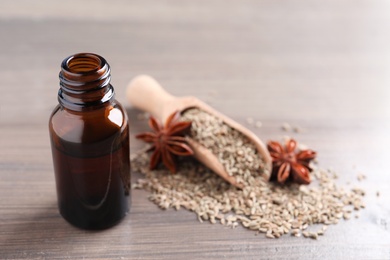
[[260, 51]]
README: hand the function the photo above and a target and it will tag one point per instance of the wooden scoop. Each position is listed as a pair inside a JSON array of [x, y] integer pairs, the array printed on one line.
[[145, 93]]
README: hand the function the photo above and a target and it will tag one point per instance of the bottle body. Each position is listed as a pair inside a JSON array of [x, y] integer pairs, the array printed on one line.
[[90, 146]]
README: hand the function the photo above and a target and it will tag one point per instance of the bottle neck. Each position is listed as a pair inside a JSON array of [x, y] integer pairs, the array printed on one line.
[[85, 82]]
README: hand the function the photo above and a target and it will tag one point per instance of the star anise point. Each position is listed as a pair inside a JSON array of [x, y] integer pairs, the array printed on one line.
[[168, 141], [289, 164]]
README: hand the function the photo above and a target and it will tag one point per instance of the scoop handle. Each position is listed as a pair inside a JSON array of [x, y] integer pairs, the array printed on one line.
[[146, 94]]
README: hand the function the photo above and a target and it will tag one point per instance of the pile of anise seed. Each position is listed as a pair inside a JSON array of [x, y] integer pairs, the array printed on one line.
[[266, 207], [235, 151]]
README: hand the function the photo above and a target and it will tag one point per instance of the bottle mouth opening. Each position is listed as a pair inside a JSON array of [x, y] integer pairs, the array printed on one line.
[[84, 71], [83, 63], [84, 81]]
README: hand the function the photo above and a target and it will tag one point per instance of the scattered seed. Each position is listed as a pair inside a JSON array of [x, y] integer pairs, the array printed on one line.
[[250, 120], [258, 124], [346, 216], [286, 127], [313, 235], [295, 232], [304, 147], [378, 194], [361, 177], [358, 191], [142, 116], [298, 129]]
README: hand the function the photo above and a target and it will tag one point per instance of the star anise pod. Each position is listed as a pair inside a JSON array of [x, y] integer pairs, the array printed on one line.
[[289, 164], [167, 141]]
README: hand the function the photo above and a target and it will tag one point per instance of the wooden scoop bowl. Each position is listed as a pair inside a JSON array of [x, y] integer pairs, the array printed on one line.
[[146, 94]]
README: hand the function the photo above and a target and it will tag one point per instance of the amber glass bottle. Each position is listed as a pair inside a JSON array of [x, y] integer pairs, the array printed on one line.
[[90, 145]]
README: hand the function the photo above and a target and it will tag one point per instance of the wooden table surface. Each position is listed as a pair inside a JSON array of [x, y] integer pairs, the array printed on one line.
[[321, 65]]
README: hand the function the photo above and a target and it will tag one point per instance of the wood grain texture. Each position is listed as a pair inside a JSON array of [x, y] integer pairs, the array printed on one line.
[[320, 65]]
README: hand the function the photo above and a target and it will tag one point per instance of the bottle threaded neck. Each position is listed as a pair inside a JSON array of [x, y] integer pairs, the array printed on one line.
[[84, 82]]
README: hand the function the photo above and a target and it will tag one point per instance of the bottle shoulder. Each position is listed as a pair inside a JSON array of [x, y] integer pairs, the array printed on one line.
[[88, 126]]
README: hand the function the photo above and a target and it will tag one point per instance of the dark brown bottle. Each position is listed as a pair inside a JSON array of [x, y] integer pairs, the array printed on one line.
[[90, 145]]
